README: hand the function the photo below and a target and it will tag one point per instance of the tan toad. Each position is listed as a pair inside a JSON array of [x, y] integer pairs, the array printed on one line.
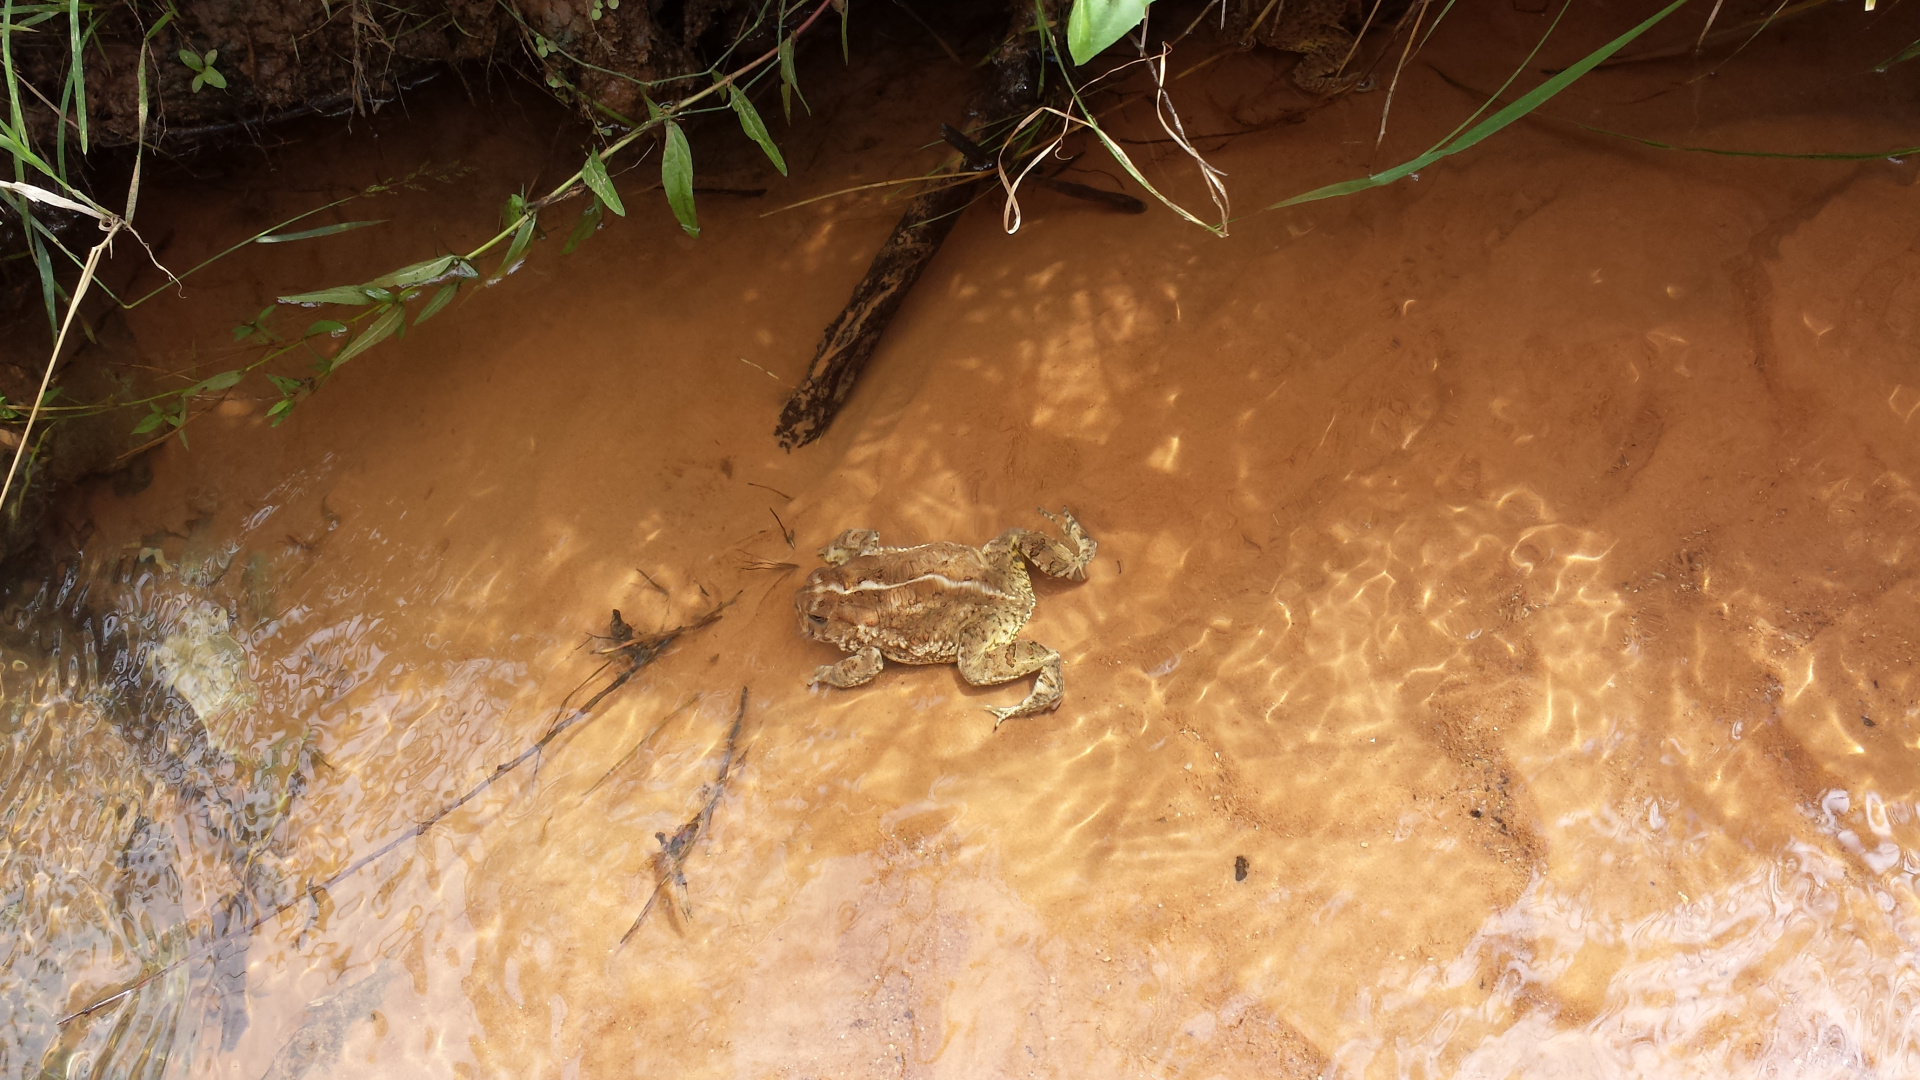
[[940, 603], [1317, 30]]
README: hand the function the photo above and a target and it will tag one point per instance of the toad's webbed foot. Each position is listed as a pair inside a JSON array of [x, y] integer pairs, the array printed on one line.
[[848, 545], [985, 666], [1050, 556]]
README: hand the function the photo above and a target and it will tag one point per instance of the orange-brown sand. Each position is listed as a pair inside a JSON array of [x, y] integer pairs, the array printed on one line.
[[1515, 566]]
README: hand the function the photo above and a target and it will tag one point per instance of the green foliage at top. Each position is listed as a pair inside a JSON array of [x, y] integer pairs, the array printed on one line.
[[1096, 24]]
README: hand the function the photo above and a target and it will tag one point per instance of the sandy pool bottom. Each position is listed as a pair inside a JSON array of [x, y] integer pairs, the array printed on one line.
[[1498, 662]]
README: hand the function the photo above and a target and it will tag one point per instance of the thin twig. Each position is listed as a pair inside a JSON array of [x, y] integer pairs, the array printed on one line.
[[672, 859], [1405, 52], [1711, 16], [60, 341]]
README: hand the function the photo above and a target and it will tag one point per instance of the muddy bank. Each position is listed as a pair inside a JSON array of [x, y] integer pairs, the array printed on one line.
[[279, 60]]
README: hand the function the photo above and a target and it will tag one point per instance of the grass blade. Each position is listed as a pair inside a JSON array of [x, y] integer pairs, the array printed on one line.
[[77, 75], [676, 176], [43, 263], [18, 121], [1905, 55], [594, 172], [42, 195], [324, 230], [1528, 102], [755, 129]]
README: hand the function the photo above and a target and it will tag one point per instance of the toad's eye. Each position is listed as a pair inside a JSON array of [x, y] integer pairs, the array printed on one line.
[[818, 620]]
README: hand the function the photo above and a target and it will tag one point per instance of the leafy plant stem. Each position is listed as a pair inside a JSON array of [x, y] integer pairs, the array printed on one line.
[[175, 279], [666, 114]]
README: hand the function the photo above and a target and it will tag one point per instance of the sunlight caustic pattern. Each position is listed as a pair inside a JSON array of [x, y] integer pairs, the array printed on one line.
[[1499, 661]]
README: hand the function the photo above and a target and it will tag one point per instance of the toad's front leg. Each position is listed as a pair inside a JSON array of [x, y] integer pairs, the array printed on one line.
[[855, 670]]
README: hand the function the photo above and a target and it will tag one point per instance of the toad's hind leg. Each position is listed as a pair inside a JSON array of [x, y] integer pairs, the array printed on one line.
[[1050, 556], [848, 545], [855, 670], [984, 663]]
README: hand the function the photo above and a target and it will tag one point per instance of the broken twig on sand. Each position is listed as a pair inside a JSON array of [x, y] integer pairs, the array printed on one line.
[[850, 339], [671, 861]]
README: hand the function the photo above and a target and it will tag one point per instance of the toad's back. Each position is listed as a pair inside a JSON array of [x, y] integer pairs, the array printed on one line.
[[914, 603]]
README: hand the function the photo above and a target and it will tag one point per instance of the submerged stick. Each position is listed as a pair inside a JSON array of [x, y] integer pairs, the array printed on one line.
[[639, 652], [851, 337], [672, 859]]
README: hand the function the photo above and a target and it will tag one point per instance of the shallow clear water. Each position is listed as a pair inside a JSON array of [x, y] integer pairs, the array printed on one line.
[[1511, 571]]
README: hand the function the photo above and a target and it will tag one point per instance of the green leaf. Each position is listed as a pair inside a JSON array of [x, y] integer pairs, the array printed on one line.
[[43, 263], [355, 295], [376, 332], [522, 237], [515, 209], [324, 230], [325, 326], [222, 381], [1905, 55], [1528, 102], [440, 299], [585, 227], [214, 78], [212, 55], [149, 422], [789, 81], [257, 326], [192, 60], [594, 172], [198, 81], [1096, 24], [676, 176], [279, 408], [286, 385], [757, 131], [76, 74], [419, 273]]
